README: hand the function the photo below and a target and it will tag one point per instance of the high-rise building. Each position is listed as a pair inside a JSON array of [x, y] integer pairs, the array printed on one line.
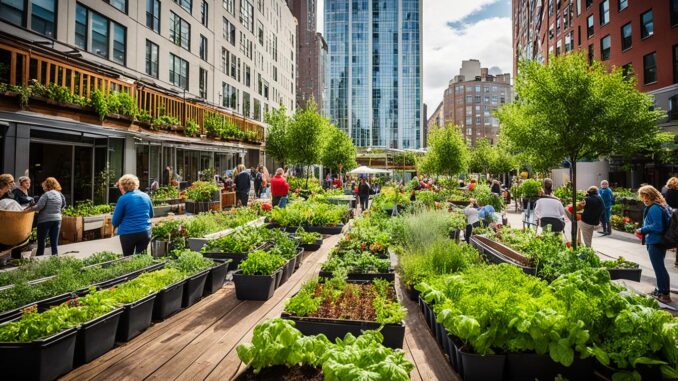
[[472, 98], [211, 68], [374, 75], [311, 54], [639, 36]]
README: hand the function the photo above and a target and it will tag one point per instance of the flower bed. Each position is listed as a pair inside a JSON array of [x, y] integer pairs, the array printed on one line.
[[337, 307]]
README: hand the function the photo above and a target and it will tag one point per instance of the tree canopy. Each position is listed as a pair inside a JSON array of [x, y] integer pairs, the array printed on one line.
[[277, 140], [447, 154], [338, 149], [570, 110]]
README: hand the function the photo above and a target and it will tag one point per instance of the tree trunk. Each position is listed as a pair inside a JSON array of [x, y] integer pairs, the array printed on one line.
[[573, 179]]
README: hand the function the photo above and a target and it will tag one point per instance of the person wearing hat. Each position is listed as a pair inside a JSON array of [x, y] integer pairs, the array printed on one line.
[[594, 207]]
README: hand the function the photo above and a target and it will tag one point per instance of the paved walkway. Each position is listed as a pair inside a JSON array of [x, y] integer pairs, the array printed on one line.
[[622, 244]]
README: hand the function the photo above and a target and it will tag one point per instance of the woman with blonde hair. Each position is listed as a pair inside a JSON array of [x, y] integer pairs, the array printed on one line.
[[49, 208], [670, 192], [132, 216], [656, 218]]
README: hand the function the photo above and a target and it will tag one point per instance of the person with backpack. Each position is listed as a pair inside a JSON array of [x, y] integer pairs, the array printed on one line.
[[656, 219]]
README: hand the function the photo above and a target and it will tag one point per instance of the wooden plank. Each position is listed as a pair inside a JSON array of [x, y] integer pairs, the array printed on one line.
[[220, 360], [12, 68]]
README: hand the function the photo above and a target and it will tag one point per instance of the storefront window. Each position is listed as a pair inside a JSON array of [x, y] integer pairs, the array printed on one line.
[[142, 165]]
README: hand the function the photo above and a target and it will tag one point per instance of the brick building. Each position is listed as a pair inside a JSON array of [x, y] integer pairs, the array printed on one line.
[[472, 98]]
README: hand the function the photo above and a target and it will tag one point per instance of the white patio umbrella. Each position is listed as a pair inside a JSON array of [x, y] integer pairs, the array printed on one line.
[[363, 170]]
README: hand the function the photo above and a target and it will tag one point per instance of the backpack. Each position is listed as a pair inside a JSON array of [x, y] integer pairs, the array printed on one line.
[[670, 237]]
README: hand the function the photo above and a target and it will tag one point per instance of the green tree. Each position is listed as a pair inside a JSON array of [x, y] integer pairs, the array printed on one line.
[[447, 154], [570, 110], [277, 140], [481, 157], [305, 135], [338, 149]]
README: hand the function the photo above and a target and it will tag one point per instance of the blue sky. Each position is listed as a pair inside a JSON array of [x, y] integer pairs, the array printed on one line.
[[456, 30]]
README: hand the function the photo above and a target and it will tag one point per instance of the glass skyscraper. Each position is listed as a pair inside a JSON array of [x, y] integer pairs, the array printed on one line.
[[374, 74]]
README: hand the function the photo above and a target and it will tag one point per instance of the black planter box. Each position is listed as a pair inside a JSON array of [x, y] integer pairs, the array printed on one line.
[[194, 288], [13, 314], [531, 366], [96, 337], [136, 317], [153, 267], [234, 258], [287, 270], [333, 328], [299, 258], [216, 278], [44, 359], [195, 207], [112, 282], [310, 247], [630, 274], [412, 293], [255, 287], [329, 230], [168, 301], [482, 368], [390, 276], [278, 278]]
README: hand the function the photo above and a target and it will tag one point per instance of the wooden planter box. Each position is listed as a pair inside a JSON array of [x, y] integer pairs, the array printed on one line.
[[72, 228], [228, 199]]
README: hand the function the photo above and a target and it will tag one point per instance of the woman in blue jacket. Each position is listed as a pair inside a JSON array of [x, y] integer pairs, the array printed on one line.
[[655, 222], [132, 216], [608, 199]]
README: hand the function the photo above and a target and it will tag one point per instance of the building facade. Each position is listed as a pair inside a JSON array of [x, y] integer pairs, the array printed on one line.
[[200, 75], [437, 119], [311, 54], [472, 98], [641, 37], [374, 76]]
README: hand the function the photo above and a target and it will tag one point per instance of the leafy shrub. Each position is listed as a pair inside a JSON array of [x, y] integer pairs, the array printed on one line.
[[192, 128], [201, 191], [86, 208], [529, 188], [440, 257]]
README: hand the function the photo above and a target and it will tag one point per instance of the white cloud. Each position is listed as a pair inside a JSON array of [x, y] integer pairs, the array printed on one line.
[[488, 40]]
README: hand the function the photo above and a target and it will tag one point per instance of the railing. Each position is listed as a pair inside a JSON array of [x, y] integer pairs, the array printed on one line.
[[20, 67]]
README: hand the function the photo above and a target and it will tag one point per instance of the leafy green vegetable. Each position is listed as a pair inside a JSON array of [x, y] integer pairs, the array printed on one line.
[[261, 263], [86, 208]]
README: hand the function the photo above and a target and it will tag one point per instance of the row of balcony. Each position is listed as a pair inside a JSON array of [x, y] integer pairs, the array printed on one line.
[[35, 77]]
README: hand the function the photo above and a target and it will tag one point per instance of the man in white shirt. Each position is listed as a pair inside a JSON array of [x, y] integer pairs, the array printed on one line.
[[549, 210]]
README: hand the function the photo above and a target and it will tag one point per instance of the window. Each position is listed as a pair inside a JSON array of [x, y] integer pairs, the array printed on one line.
[[260, 32], [43, 17], [230, 94], [153, 15], [204, 12], [186, 4], [626, 36], [590, 55], [589, 26], [650, 68], [247, 14], [203, 83], [229, 5], [12, 11], [673, 108], [81, 26], [257, 109], [203, 48], [180, 31], [151, 59], [119, 43], [99, 35], [248, 76], [178, 72], [675, 64], [674, 12], [246, 104], [646, 24], [627, 71], [623, 4], [120, 5], [605, 48], [604, 12], [229, 31]]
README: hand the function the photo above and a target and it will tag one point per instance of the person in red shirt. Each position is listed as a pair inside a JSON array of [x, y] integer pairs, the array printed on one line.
[[337, 183], [279, 187]]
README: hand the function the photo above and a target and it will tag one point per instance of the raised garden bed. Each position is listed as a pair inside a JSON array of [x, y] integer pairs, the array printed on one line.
[[256, 287], [194, 288], [136, 317], [195, 207], [161, 210], [335, 322], [168, 301], [43, 359], [96, 337], [367, 277]]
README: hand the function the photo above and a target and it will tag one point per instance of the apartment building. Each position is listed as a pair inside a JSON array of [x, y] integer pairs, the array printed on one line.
[[184, 62], [471, 99]]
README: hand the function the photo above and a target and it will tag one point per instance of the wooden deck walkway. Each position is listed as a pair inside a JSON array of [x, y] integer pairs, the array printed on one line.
[[199, 343]]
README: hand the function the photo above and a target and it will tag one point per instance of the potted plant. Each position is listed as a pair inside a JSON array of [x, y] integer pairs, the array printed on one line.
[[310, 241], [203, 196], [257, 275], [162, 235], [359, 266], [165, 200]]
